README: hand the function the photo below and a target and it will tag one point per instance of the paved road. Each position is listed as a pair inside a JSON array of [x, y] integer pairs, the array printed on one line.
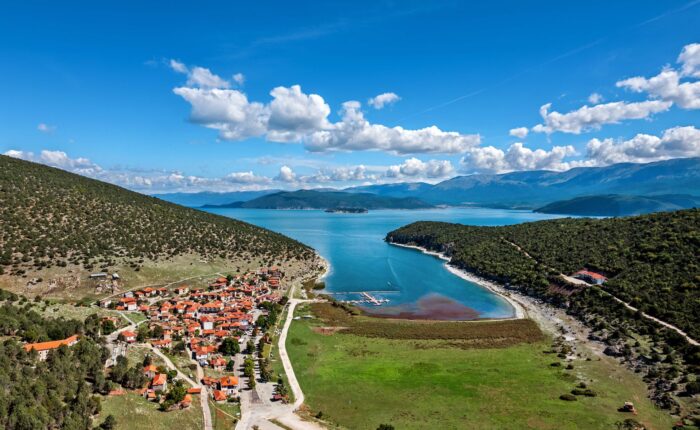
[[622, 302]]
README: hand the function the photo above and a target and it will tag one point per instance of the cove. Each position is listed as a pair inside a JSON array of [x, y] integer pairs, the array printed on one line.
[[416, 285]]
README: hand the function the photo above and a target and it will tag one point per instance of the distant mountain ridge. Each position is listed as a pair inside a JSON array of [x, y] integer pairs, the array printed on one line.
[[534, 189], [620, 205], [211, 198], [313, 199]]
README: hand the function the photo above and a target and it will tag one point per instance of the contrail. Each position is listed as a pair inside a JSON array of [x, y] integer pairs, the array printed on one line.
[[551, 60]]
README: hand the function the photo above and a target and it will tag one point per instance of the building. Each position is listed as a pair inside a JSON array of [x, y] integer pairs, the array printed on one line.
[[590, 277], [128, 336], [159, 382], [43, 348], [228, 384]]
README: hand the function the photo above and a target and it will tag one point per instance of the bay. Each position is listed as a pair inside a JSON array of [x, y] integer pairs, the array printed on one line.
[[416, 285]]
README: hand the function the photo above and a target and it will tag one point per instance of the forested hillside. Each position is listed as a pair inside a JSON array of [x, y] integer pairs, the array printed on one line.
[[56, 393], [53, 218], [652, 262], [620, 205]]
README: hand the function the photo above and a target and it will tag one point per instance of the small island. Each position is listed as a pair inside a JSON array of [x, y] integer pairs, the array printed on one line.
[[346, 210]]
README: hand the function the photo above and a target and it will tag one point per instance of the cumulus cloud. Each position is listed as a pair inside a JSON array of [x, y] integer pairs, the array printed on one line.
[[384, 99], [415, 168], [595, 98], [519, 132], [199, 77], [45, 128], [239, 78], [246, 178], [667, 85], [677, 142], [355, 133], [286, 174], [592, 118], [690, 60], [294, 116], [516, 157]]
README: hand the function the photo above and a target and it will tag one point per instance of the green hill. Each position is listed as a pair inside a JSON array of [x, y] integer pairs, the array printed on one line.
[[651, 262], [53, 220], [313, 199], [620, 205]]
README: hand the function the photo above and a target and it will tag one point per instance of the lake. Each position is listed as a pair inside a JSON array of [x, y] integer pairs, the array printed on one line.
[[416, 285]]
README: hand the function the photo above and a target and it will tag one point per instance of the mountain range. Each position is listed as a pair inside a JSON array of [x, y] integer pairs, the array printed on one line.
[[524, 190], [620, 205]]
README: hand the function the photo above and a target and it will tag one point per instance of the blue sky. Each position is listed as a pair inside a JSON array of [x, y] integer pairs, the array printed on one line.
[[144, 95]]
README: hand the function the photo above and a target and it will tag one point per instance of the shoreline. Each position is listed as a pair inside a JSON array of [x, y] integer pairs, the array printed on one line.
[[551, 319], [519, 310]]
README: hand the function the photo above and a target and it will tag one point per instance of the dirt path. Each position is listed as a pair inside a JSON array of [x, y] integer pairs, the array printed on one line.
[[203, 396], [577, 281]]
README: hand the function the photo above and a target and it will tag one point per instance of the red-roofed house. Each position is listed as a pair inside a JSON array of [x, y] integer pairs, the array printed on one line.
[[128, 336], [159, 382], [590, 277], [228, 385], [43, 348], [219, 396]]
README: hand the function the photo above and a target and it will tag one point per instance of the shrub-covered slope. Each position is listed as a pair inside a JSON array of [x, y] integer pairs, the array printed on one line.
[[653, 261], [53, 218]]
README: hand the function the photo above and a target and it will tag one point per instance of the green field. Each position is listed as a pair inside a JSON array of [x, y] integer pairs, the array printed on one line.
[[359, 382], [133, 412]]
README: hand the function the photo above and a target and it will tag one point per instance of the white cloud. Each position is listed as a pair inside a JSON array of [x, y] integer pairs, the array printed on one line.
[[384, 99], [355, 133], [666, 86], [677, 142], [517, 157], [178, 66], [592, 118], [294, 116], [690, 60], [286, 174], [45, 128], [293, 113], [239, 78], [200, 77], [246, 178], [203, 78], [595, 98], [415, 168], [519, 132]]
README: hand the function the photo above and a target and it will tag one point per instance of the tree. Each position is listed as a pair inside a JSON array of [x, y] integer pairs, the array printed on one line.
[[231, 366], [250, 347], [229, 346], [385, 427], [109, 423]]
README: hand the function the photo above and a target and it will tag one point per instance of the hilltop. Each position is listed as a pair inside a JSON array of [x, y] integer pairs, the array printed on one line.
[[57, 223], [314, 199], [620, 205]]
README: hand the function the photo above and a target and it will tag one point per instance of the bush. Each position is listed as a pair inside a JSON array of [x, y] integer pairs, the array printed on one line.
[[568, 397]]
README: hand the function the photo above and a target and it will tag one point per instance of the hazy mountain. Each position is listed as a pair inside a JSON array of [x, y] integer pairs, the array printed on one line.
[[620, 205], [313, 199], [211, 198], [536, 188]]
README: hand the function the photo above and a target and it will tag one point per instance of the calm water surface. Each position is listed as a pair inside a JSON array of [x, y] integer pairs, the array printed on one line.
[[416, 285]]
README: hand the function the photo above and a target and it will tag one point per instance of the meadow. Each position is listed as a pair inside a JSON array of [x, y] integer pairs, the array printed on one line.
[[361, 382], [133, 412]]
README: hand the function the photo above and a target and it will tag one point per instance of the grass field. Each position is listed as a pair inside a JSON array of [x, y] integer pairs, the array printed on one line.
[[224, 415], [360, 382], [133, 412]]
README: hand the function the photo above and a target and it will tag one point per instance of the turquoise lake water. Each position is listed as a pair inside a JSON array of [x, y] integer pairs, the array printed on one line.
[[419, 285]]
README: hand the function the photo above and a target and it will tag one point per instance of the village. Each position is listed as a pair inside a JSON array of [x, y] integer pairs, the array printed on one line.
[[212, 341]]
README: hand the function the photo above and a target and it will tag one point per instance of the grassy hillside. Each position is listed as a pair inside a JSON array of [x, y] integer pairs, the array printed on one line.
[[651, 260], [54, 219], [313, 199], [620, 205]]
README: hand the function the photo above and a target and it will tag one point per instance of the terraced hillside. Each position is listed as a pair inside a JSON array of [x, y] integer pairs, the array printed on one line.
[[54, 219]]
